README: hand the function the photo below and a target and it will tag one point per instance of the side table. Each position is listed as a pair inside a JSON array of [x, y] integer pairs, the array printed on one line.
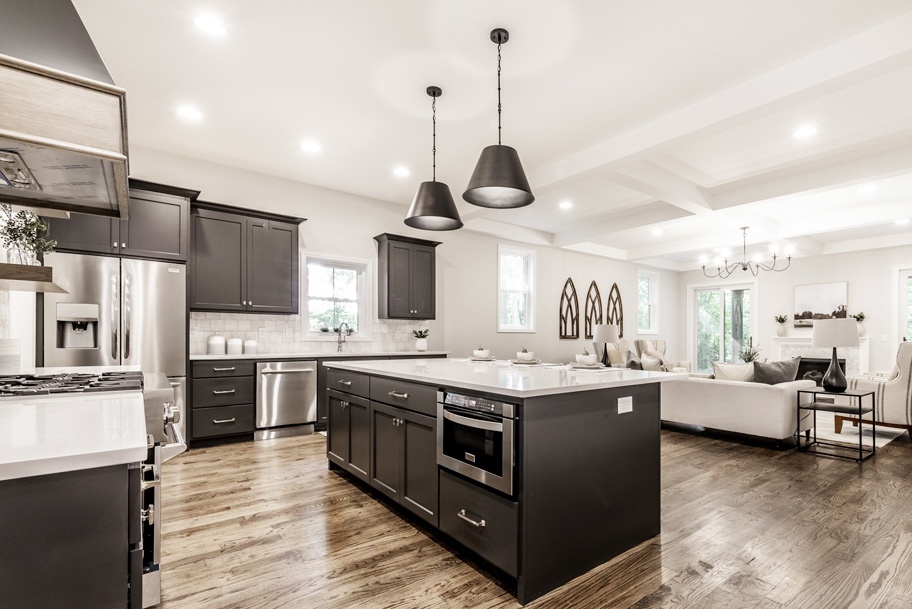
[[856, 406]]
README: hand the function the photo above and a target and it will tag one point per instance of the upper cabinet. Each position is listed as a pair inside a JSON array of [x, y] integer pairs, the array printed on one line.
[[158, 227], [243, 261], [406, 277]]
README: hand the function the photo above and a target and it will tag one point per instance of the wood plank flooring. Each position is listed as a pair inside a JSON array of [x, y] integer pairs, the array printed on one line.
[[265, 525]]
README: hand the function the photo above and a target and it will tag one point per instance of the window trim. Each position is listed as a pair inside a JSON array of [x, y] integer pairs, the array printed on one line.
[[530, 255], [692, 288], [654, 278], [365, 302], [899, 271]]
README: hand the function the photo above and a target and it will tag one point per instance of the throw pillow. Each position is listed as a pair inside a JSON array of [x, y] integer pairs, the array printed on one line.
[[651, 363], [773, 373], [633, 362], [733, 372], [616, 357]]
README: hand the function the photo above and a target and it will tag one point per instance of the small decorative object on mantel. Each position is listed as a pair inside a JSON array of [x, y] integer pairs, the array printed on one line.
[[593, 308], [569, 311], [781, 329], [23, 234], [421, 339], [615, 309], [859, 318]]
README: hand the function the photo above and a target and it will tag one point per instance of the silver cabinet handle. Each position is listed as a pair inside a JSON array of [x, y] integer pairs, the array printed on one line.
[[475, 523], [343, 404], [401, 396], [114, 244], [346, 383], [298, 371], [219, 422], [244, 302], [231, 369], [123, 245], [223, 392], [470, 422], [250, 303]]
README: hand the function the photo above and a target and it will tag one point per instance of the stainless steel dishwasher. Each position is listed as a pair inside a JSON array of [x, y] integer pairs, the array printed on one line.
[[286, 403]]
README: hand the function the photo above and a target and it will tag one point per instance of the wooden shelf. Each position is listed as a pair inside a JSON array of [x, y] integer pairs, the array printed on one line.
[[28, 278]]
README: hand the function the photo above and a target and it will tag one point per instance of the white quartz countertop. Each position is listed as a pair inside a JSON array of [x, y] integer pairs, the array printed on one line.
[[52, 434], [317, 355], [505, 378]]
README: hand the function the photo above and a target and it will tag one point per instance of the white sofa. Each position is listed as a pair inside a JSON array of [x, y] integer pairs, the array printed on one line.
[[756, 409]]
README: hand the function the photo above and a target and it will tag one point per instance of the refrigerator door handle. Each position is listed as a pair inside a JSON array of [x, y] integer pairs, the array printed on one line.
[[115, 317], [127, 312]]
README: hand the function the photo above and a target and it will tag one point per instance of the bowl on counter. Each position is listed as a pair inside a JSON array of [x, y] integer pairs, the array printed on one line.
[[525, 356], [481, 353], [587, 360]]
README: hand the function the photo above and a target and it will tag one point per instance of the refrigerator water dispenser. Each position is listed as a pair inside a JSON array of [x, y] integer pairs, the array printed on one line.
[[77, 325]]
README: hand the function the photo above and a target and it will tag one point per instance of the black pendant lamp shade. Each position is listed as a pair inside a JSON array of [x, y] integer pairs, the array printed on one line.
[[433, 207], [499, 181]]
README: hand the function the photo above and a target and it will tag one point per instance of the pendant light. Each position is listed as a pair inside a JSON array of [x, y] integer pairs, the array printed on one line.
[[433, 207], [499, 180]]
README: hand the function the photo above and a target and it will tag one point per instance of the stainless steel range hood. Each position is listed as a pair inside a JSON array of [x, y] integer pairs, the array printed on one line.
[[63, 135]]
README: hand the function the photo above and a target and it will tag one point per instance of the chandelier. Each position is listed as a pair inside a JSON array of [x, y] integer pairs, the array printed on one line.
[[727, 269]]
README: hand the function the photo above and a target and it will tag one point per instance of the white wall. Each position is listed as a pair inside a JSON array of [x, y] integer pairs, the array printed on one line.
[[868, 273], [344, 225]]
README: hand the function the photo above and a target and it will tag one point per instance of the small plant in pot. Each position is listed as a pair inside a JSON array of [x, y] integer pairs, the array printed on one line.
[[22, 233], [525, 355], [859, 318], [481, 352], [586, 359], [421, 339], [750, 354], [780, 327]]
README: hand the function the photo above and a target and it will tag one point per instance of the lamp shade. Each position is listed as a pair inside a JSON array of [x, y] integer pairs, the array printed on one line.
[[840, 332], [499, 181], [605, 333], [433, 208]]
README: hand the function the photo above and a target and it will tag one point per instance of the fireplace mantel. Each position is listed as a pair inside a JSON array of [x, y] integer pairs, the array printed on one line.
[[857, 358]]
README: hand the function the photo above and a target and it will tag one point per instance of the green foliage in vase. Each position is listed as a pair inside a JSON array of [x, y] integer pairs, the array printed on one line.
[[421, 333], [24, 232], [781, 319], [750, 354], [859, 317]]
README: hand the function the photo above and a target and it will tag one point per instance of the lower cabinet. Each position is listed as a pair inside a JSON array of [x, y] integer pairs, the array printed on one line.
[[404, 458], [348, 437]]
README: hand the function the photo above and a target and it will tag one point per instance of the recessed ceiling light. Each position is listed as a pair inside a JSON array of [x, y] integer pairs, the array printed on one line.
[[704, 259], [401, 171], [190, 113], [311, 147], [656, 232], [805, 131], [901, 221], [867, 188], [210, 24], [566, 204]]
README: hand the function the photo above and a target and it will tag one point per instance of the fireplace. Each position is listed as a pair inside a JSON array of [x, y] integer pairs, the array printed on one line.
[[814, 368]]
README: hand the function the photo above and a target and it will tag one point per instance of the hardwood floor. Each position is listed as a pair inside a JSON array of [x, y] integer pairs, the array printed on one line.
[[266, 525]]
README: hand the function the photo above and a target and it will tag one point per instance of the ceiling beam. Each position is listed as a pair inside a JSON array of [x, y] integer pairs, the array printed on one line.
[[664, 185], [857, 245], [644, 215], [509, 231]]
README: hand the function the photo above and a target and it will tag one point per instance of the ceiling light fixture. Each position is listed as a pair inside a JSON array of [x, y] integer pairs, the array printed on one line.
[[657, 232], [311, 147], [805, 132], [210, 24], [867, 188], [401, 171], [566, 204], [724, 269], [433, 207], [499, 180], [901, 221], [189, 113]]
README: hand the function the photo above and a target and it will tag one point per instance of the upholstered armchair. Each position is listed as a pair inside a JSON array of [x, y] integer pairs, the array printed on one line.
[[656, 349], [892, 393]]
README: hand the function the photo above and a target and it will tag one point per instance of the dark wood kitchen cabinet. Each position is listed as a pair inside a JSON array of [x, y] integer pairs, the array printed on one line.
[[222, 394], [243, 261], [407, 270], [158, 227], [349, 426]]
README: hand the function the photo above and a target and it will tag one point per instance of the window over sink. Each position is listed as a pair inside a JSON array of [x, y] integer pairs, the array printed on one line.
[[337, 291]]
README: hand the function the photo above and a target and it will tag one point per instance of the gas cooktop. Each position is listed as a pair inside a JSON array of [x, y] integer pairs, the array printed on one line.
[[71, 382]]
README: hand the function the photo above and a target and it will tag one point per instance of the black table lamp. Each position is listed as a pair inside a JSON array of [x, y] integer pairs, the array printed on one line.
[[841, 332]]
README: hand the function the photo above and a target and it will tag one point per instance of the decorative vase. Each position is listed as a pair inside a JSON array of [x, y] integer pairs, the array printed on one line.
[[19, 256], [781, 330], [421, 344], [861, 329]]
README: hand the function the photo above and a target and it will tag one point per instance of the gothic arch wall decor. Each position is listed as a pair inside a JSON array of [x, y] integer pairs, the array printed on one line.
[[593, 311], [615, 309], [569, 311]]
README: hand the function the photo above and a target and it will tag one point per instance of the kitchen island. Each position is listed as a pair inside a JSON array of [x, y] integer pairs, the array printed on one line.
[[544, 472]]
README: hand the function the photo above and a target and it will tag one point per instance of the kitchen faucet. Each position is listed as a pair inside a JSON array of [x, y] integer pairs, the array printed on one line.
[[342, 334]]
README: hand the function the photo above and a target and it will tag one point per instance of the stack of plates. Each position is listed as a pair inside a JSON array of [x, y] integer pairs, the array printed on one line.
[[586, 366], [526, 362], [490, 358]]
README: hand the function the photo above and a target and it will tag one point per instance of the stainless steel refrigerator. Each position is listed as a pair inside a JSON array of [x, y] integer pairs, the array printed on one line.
[[119, 311]]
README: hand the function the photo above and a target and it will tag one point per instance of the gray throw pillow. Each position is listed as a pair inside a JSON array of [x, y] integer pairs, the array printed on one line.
[[773, 373], [633, 362]]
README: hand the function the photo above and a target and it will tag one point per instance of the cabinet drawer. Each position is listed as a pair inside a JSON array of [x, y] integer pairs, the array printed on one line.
[[216, 369], [348, 382], [222, 392], [420, 398], [495, 540], [222, 421]]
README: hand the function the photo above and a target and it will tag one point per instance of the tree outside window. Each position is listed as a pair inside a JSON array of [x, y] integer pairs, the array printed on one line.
[[515, 296]]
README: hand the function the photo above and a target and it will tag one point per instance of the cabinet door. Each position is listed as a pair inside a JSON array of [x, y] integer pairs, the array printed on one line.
[[272, 265], [399, 280], [422, 282], [385, 450], [84, 233], [218, 265], [419, 465], [158, 227], [337, 439], [359, 438]]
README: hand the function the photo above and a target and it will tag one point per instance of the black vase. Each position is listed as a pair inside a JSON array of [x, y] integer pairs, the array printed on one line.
[[834, 381]]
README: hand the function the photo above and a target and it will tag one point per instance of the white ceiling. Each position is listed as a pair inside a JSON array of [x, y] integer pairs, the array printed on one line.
[[668, 124]]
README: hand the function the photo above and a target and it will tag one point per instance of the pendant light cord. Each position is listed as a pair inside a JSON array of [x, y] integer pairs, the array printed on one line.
[[498, 95], [434, 144]]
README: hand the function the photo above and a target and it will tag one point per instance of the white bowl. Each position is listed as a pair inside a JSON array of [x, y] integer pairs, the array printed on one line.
[[525, 356], [586, 360], [481, 352]]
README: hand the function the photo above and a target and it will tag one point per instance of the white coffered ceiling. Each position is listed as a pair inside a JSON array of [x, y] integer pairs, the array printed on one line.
[[667, 124]]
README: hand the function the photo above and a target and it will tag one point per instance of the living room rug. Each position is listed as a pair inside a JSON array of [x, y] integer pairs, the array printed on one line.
[[849, 436]]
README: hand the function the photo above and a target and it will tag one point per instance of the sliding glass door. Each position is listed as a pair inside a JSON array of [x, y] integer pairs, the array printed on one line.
[[722, 324], [905, 304]]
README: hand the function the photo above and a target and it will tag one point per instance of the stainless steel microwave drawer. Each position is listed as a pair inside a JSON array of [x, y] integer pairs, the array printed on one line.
[[215, 369], [222, 421], [348, 382], [223, 392], [420, 398], [484, 522]]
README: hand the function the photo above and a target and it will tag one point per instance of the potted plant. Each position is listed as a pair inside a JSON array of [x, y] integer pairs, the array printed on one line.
[[586, 359], [780, 329], [525, 355], [750, 354], [859, 318], [481, 352], [421, 339], [22, 233]]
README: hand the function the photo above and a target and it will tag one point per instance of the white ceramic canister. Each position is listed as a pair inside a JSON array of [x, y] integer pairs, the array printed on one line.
[[235, 346], [216, 345], [250, 347]]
